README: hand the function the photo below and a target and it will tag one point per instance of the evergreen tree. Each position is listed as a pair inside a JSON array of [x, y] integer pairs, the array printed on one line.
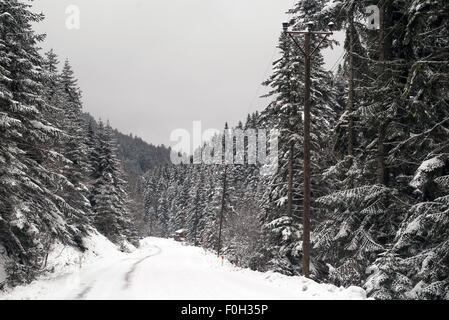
[[285, 113], [396, 131], [110, 200], [32, 215], [76, 149]]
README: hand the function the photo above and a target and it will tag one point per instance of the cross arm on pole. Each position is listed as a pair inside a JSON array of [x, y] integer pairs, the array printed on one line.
[[297, 43], [291, 33], [312, 32], [321, 42]]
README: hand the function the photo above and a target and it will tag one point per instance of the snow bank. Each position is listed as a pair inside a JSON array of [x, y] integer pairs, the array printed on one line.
[[2, 265], [64, 259], [297, 287], [64, 263], [128, 247]]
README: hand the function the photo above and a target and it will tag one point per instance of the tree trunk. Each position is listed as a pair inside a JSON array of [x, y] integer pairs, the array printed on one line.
[[223, 200], [384, 55], [290, 182], [381, 155], [350, 106], [195, 229]]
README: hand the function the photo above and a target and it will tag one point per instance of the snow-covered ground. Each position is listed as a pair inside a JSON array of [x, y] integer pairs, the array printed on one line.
[[163, 269]]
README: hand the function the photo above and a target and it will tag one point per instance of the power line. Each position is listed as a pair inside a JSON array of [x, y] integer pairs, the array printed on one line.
[[256, 95], [343, 55]]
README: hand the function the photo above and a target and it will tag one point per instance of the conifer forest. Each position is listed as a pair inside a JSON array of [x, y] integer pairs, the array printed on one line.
[[378, 161]]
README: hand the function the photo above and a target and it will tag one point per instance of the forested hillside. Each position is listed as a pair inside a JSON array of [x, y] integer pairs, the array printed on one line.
[[380, 160], [136, 157]]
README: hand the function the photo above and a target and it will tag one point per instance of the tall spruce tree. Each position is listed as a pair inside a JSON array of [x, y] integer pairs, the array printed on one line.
[[285, 113], [110, 200], [32, 216], [76, 149]]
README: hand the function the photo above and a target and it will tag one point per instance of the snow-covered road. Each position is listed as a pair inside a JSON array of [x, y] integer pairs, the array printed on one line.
[[165, 270]]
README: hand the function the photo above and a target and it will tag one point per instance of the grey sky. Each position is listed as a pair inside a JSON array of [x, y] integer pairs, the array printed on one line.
[[152, 66]]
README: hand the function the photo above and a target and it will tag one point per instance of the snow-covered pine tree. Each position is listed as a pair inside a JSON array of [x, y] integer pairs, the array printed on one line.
[[364, 212], [152, 192], [109, 195], [400, 127], [162, 213], [75, 149], [52, 85], [415, 266], [285, 113], [195, 207], [32, 215]]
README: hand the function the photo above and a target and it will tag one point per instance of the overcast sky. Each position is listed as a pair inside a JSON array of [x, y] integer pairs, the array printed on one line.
[[152, 66]]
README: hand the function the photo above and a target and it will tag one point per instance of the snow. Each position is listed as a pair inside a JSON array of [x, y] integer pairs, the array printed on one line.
[[39, 125], [431, 164], [281, 201], [414, 226], [330, 5], [2, 265], [344, 230], [427, 166], [163, 269]]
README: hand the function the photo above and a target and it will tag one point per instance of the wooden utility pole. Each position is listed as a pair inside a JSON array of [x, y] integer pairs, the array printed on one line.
[[384, 55], [350, 106], [223, 203], [183, 220], [195, 230], [307, 183], [290, 182], [308, 53]]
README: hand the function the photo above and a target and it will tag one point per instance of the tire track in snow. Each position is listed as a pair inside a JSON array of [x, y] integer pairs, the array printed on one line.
[[86, 290], [135, 265], [82, 295]]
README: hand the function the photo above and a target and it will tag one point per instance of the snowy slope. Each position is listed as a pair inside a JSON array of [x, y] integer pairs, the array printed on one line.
[[164, 269], [2, 265]]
